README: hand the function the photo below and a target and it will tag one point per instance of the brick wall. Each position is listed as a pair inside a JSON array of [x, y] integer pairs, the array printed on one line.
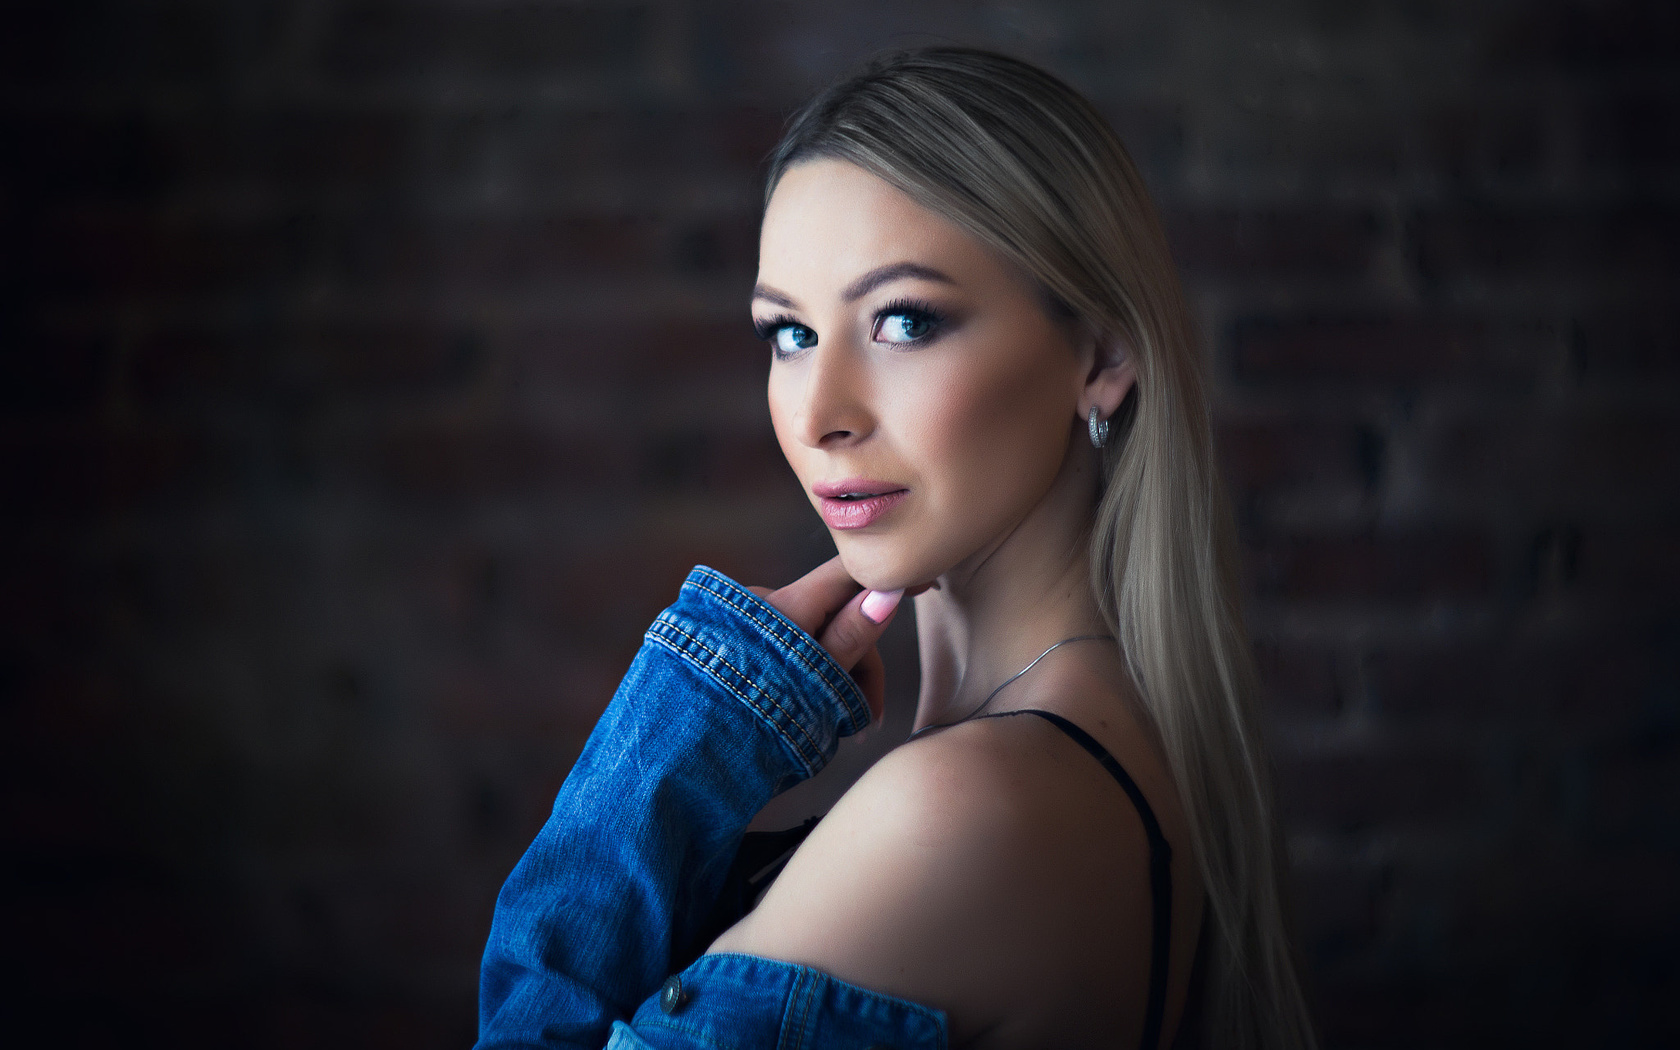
[[372, 372]]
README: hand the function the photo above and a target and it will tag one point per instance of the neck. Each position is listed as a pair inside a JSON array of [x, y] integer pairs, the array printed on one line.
[[992, 614]]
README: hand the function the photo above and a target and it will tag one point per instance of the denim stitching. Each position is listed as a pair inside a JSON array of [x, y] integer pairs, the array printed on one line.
[[797, 647], [685, 1030], [771, 619], [778, 630], [793, 1028], [806, 756], [798, 641], [764, 716], [927, 1014], [767, 616]]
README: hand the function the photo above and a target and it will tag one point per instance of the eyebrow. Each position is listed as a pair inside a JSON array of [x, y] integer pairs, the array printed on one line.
[[863, 285]]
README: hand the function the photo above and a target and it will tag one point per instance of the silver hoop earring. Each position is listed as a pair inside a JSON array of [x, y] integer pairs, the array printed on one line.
[[1099, 429]]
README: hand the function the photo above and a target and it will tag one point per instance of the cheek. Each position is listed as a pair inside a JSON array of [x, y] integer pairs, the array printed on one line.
[[993, 438], [781, 418]]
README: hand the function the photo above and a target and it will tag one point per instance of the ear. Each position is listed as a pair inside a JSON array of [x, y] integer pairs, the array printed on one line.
[[1109, 378]]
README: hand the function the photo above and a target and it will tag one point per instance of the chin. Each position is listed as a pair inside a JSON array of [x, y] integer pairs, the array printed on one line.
[[878, 569]]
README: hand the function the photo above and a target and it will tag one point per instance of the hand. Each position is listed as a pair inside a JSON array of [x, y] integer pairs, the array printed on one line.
[[829, 606]]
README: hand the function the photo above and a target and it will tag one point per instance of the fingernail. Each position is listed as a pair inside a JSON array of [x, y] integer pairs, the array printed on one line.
[[878, 605]]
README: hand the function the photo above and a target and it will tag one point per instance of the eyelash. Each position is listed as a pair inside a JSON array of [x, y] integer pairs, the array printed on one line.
[[918, 309], [766, 329]]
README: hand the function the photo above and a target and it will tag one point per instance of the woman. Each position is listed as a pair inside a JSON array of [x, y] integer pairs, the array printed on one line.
[[983, 375]]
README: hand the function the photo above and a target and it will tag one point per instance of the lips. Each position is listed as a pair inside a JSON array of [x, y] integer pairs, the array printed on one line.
[[854, 503]]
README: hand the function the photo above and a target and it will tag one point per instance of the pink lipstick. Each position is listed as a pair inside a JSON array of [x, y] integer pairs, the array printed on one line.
[[856, 502]]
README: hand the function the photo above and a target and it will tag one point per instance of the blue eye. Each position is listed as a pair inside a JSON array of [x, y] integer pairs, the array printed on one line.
[[903, 328], [792, 338], [907, 321], [785, 335]]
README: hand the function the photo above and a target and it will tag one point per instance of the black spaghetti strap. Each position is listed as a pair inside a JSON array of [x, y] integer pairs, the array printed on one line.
[[1160, 875]]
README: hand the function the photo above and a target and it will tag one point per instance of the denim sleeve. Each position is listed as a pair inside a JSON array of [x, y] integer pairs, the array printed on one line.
[[727, 703]]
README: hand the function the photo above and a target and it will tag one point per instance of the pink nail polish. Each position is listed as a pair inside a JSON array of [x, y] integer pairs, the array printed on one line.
[[878, 605]]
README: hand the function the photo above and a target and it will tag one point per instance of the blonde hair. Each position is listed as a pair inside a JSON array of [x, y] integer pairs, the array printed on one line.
[[1022, 162]]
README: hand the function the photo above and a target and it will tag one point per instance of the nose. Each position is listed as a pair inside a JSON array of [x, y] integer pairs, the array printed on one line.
[[834, 404]]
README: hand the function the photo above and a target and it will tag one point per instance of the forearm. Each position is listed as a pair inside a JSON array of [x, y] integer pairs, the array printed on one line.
[[726, 704]]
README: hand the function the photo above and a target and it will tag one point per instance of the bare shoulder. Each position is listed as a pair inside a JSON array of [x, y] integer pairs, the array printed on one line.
[[962, 872]]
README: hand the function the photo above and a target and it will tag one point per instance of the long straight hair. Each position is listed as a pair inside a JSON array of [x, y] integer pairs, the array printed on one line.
[[1022, 162]]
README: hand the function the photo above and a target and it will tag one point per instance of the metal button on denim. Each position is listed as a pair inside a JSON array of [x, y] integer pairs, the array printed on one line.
[[671, 996]]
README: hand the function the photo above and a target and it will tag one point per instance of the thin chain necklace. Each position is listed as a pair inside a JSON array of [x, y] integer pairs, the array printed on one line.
[[1011, 678]]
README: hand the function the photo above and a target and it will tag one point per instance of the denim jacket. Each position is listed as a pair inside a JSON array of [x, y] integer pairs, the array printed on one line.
[[727, 704]]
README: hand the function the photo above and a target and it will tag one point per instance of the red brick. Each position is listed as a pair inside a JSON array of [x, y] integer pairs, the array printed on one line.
[[1629, 342], [505, 254], [192, 364], [1267, 456], [132, 254], [456, 462], [1337, 910], [195, 366], [502, 459], [537, 149], [1267, 244], [1384, 789], [116, 253], [1385, 350], [480, 700], [1479, 142], [1586, 35], [1633, 133], [1578, 676], [381, 359], [112, 157], [717, 244], [1633, 787], [1153, 135], [607, 593], [114, 45], [1629, 241], [1300, 682], [55, 372], [214, 367], [1337, 146], [675, 351], [1567, 459], [1636, 566], [703, 460], [389, 40], [406, 251], [292, 151], [93, 470], [1387, 568]]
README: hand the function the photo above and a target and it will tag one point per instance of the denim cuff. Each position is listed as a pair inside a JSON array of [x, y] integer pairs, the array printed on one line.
[[622, 879], [778, 670]]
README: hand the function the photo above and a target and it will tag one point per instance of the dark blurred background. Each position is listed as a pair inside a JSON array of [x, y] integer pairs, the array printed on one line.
[[373, 372]]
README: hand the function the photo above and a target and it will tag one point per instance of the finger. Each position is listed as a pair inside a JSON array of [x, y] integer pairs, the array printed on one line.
[[855, 629], [871, 676], [812, 600]]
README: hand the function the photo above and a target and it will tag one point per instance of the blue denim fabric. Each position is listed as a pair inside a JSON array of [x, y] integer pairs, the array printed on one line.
[[727, 703]]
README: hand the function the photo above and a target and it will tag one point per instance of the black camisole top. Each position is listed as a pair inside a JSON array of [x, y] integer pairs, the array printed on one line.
[[763, 855]]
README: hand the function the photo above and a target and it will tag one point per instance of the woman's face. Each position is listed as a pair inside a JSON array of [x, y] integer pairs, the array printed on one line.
[[918, 387]]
